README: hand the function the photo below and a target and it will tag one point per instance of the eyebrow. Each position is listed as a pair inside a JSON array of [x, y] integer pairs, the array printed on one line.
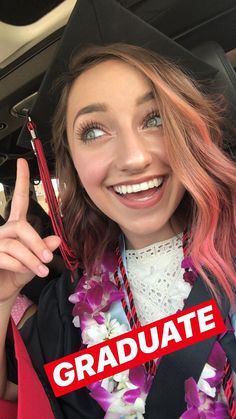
[[102, 107], [94, 107], [145, 98]]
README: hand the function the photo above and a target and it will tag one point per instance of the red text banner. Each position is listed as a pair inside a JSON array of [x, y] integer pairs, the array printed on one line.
[[135, 347]]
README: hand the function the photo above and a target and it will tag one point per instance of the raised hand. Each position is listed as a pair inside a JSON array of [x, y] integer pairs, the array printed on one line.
[[23, 253]]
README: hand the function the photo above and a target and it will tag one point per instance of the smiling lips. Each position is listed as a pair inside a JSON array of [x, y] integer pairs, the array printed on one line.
[[138, 187], [140, 195]]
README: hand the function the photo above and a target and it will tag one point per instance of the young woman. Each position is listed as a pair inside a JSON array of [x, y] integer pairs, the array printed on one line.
[[148, 193]]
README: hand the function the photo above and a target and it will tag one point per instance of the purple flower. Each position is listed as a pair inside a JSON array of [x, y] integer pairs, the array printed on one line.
[[109, 262], [187, 263], [189, 277], [200, 406], [93, 296], [190, 273], [137, 376], [217, 357], [217, 360], [101, 395], [131, 395], [124, 393]]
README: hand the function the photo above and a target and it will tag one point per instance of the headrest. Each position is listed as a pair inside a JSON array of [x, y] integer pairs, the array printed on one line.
[[225, 82], [212, 53]]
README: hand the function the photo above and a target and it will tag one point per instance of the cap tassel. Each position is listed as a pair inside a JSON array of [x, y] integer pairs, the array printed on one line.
[[69, 257]]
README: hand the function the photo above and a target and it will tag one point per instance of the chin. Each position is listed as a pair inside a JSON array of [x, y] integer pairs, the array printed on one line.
[[142, 236]]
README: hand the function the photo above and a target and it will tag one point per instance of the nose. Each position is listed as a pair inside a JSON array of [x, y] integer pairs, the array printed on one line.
[[133, 154]]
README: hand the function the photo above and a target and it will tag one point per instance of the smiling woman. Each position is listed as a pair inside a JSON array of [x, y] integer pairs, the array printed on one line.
[[141, 146], [145, 121], [147, 198], [118, 150]]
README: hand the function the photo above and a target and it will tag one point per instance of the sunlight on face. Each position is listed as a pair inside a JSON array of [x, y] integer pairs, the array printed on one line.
[[118, 149]]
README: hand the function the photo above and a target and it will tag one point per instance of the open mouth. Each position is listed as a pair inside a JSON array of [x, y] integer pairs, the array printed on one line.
[[141, 195], [139, 192]]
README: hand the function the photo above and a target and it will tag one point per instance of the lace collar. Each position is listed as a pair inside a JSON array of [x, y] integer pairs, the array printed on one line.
[[155, 251]]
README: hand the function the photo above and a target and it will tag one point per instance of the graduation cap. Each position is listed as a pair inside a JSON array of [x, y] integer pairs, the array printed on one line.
[[97, 22], [103, 22]]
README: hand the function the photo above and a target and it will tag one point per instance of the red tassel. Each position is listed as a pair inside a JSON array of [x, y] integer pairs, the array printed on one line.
[[69, 257], [229, 389]]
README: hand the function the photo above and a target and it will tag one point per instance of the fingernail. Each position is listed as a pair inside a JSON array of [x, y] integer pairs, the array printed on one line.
[[47, 255], [43, 270]]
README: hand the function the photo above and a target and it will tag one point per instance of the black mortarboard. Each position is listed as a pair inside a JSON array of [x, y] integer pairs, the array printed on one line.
[[103, 22]]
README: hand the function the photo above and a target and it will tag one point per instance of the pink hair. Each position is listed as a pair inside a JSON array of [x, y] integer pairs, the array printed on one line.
[[194, 140]]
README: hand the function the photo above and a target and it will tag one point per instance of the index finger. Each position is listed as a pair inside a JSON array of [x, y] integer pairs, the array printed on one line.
[[20, 199]]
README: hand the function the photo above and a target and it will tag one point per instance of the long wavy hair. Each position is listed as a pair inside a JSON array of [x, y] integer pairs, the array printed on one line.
[[192, 125]]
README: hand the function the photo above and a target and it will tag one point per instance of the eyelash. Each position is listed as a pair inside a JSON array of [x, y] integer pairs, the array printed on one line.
[[150, 115], [87, 126], [84, 128]]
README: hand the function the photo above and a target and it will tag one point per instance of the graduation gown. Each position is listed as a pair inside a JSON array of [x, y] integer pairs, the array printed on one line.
[[50, 334]]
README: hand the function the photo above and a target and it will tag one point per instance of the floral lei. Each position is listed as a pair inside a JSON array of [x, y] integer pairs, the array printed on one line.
[[123, 395]]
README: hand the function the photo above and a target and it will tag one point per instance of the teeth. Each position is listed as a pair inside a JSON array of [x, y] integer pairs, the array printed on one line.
[[135, 188], [144, 186]]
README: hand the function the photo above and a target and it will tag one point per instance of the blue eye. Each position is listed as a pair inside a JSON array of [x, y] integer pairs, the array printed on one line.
[[89, 132], [153, 121], [92, 134]]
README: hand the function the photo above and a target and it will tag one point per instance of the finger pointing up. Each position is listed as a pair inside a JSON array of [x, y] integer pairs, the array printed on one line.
[[20, 199]]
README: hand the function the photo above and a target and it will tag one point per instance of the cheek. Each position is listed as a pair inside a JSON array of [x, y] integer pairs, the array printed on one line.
[[90, 171], [163, 153], [179, 191], [159, 149]]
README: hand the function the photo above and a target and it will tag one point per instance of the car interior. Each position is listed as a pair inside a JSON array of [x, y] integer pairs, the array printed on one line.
[[30, 33]]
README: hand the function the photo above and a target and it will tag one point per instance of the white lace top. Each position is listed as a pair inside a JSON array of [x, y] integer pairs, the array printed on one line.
[[156, 279]]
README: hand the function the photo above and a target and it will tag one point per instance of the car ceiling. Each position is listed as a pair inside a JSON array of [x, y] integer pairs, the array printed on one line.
[[24, 12], [188, 22]]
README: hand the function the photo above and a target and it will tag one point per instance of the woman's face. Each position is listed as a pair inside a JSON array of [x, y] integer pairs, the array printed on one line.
[[118, 148]]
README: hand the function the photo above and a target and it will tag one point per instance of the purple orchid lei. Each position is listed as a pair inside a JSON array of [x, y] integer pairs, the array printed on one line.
[[202, 397], [123, 395]]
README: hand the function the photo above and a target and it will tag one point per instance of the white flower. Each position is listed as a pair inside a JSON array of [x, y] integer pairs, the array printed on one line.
[[122, 378], [127, 410], [76, 321], [109, 384], [114, 328], [111, 415], [207, 372], [117, 382], [119, 408], [95, 333]]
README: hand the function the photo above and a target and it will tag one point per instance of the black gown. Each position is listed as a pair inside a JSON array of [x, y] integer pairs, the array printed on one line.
[[50, 334]]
